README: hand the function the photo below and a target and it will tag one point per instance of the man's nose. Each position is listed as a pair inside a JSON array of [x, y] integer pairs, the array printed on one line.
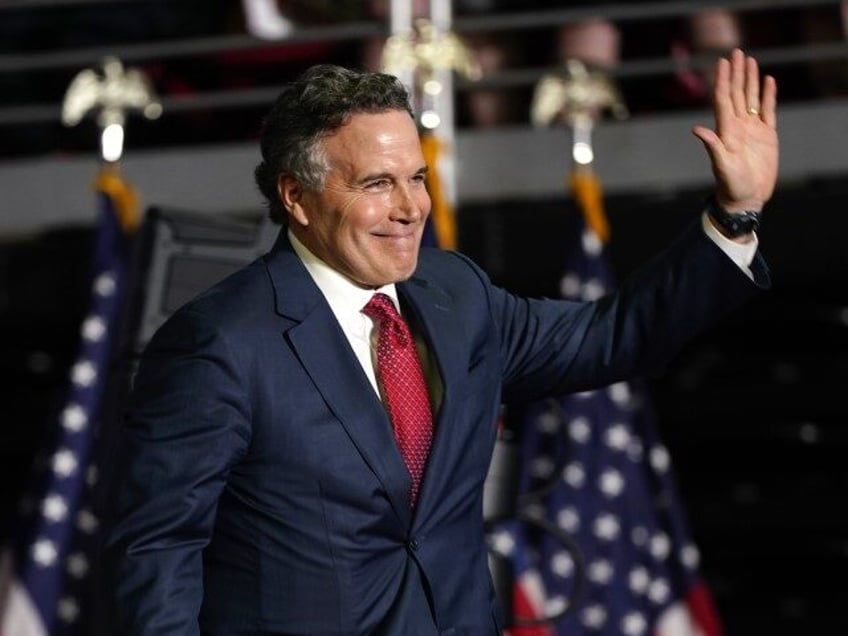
[[407, 206]]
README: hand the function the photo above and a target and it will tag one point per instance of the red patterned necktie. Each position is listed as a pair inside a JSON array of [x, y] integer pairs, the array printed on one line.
[[404, 389]]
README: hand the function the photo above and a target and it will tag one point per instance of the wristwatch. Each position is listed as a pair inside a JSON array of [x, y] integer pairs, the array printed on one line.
[[733, 223]]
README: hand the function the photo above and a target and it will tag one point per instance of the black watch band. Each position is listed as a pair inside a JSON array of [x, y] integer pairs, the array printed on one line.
[[733, 223]]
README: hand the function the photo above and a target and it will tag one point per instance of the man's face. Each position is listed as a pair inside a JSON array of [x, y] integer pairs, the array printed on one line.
[[368, 220]]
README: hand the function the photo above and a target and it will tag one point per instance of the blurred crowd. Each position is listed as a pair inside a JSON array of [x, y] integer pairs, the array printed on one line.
[[687, 41]]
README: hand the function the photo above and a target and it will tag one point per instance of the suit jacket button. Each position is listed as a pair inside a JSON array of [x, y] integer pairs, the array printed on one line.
[[413, 544]]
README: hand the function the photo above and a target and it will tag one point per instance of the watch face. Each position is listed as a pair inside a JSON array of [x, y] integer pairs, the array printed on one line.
[[735, 224]]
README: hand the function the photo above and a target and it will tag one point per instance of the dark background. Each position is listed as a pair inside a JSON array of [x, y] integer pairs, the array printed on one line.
[[753, 411]]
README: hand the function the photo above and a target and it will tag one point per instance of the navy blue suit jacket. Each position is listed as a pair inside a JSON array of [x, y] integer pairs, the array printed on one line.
[[261, 490]]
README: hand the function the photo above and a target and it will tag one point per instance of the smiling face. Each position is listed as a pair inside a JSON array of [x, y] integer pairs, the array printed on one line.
[[368, 219]]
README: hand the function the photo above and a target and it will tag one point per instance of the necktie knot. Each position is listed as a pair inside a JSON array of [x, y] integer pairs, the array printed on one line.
[[382, 309]]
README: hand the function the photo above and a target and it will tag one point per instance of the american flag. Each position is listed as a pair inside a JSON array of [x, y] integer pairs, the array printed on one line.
[[45, 575], [604, 545]]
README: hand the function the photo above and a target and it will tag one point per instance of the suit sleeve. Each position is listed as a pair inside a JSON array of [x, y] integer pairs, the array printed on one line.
[[552, 347], [187, 423]]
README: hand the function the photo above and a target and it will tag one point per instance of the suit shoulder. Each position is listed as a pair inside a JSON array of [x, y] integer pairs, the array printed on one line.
[[237, 298], [449, 268]]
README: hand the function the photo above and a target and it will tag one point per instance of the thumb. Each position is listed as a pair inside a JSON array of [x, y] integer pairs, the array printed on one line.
[[710, 140]]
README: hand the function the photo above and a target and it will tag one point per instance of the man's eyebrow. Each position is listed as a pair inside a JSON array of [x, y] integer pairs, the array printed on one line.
[[423, 170]]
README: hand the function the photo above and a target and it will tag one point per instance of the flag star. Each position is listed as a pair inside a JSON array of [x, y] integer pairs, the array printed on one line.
[[660, 458], [617, 437], [659, 591], [580, 430], [569, 286], [619, 393], [594, 616], [64, 463], [639, 535], [93, 329], [74, 418], [542, 467], [86, 521], [44, 552], [660, 546], [568, 519], [534, 510], [574, 474], [611, 483], [68, 610], [54, 508], [606, 527], [562, 564], [555, 605], [690, 556], [83, 374], [591, 242], [104, 285], [502, 542], [592, 290], [91, 475], [638, 580], [634, 450], [634, 624], [584, 395], [600, 571], [77, 565], [548, 422]]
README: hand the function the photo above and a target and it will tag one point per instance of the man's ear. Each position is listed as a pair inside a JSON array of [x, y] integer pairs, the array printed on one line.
[[291, 196]]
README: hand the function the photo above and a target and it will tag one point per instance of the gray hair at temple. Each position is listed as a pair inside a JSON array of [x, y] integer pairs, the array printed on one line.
[[313, 106]]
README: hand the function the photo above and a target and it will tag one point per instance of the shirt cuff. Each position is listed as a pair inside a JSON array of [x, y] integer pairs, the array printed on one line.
[[740, 253]]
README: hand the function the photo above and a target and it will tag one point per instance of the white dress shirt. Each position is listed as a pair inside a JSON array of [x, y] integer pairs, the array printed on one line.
[[740, 253], [346, 300]]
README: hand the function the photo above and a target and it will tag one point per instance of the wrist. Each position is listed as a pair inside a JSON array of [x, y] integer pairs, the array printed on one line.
[[733, 224]]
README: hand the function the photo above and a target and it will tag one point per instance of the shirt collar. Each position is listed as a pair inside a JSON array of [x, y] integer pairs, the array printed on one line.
[[345, 298]]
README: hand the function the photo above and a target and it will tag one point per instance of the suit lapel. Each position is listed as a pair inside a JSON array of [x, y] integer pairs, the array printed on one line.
[[325, 354], [443, 331]]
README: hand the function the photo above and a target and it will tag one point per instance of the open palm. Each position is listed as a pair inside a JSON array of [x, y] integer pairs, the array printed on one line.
[[743, 148]]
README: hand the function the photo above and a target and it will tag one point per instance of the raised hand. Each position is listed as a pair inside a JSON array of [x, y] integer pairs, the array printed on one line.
[[743, 148]]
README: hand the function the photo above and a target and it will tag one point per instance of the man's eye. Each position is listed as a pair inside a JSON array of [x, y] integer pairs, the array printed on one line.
[[419, 178], [379, 184]]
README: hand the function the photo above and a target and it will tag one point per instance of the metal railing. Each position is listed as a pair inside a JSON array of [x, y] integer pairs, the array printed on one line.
[[75, 58]]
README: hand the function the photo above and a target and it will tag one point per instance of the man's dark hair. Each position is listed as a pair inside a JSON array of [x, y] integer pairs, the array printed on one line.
[[316, 104]]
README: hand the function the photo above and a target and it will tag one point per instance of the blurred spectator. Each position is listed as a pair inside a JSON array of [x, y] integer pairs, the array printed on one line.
[[487, 107], [709, 33], [827, 24], [596, 42]]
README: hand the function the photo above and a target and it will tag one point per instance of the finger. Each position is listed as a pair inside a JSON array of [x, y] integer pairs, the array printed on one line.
[[721, 94], [737, 82], [769, 106], [752, 85], [711, 141]]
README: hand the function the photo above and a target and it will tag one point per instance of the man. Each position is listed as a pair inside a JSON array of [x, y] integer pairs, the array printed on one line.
[[272, 481]]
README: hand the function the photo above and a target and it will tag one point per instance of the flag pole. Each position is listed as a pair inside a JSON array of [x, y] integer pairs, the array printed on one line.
[[400, 39], [579, 97], [429, 54]]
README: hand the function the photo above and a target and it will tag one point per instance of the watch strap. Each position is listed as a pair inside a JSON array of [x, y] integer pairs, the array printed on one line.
[[733, 223]]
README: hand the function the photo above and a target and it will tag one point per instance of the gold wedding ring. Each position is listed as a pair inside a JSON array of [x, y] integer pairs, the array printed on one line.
[[753, 110]]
